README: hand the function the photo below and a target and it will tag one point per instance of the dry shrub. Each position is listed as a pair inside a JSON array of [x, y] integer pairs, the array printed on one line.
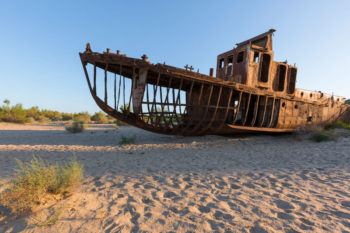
[[100, 118], [127, 140], [76, 127], [315, 133], [323, 136], [337, 125], [34, 181]]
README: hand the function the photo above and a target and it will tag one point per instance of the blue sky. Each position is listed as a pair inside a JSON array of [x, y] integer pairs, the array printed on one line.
[[40, 41]]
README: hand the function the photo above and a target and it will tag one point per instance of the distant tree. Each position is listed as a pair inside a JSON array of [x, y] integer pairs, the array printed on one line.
[[347, 101], [7, 102], [99, 117]]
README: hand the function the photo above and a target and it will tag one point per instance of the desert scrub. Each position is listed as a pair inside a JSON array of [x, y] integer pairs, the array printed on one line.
[[323, 136], [76, 127], [127, 140], [337, 125], [36, 180]]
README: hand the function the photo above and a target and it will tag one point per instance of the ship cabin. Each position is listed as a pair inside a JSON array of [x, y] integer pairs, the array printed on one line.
[[252, 63]]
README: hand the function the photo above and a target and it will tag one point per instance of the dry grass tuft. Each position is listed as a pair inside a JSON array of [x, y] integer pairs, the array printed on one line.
[[51, 220], [34, 181], [76, 127]]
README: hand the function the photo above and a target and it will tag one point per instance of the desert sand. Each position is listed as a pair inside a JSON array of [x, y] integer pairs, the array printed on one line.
[[186, 184]]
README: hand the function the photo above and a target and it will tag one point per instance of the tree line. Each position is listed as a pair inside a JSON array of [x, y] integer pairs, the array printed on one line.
[[18, 114]]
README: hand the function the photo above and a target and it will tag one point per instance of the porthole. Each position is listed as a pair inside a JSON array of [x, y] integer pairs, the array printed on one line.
[[310, 95], [296, 106], [283, 104], [302, 94]]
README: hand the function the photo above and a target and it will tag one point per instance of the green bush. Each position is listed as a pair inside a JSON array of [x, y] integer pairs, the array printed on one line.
[[35, 180], [67, 116], [52, 115], [337, 125], [16, 113], [76, 127], [323, 136], [100, 118], [34, 112], [82, 117], [347, 101], [127, 140]]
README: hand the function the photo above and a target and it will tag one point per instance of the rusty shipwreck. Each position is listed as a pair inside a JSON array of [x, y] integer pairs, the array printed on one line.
[[249, 93]]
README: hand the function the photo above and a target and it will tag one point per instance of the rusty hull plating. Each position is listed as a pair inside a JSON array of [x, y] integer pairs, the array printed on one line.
[[250, 93]]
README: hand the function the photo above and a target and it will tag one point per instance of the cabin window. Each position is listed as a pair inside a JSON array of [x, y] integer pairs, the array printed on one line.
[[240, 57], [291, 80], [256, 57], [280, 78], [265, 68], [221, 63], [229, 65]]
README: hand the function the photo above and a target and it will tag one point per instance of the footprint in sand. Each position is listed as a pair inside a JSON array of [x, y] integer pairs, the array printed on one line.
[[204, 209], [257, 229], [218, 214], [169, 194], [110, 226], [291, 230], [184, 211], [285, 216], [166, 213], [345, 204], [148, 215], [234, 186], [147, 201], [234, 207], [341, 214], [307, 222], [284, 205], [148, 186], [161, 221]]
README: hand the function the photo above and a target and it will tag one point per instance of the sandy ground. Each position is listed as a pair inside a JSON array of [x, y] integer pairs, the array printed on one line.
[[187, 184]]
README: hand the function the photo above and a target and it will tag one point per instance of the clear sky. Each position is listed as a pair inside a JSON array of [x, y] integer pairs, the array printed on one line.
[[40, 41]]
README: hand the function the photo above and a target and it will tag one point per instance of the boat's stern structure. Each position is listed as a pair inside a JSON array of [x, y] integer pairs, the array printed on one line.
[[158, 97]]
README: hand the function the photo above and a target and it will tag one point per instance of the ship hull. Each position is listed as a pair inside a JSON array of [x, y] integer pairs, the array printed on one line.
[[169, 100]]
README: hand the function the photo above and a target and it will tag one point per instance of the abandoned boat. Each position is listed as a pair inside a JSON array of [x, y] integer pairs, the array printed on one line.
[[249, 93]]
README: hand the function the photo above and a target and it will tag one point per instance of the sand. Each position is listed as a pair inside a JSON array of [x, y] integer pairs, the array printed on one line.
[[187, 184]]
